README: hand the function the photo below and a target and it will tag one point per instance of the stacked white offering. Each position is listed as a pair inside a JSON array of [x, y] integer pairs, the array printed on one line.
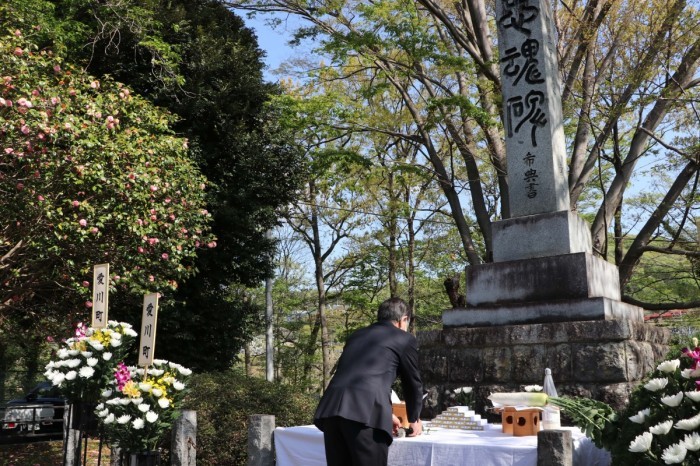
[[459, 417]]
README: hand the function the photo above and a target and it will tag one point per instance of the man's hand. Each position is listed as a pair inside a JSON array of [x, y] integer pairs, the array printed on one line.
[[397, 423], [416, 428]]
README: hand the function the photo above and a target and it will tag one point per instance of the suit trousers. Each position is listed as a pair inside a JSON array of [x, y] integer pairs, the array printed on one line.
[[350, 443]]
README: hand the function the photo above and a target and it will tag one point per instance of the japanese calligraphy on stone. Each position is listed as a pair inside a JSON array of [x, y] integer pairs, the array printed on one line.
[[531, 107]]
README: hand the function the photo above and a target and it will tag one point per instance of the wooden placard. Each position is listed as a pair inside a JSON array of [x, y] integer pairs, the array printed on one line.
[[100, 295], [149, 319]]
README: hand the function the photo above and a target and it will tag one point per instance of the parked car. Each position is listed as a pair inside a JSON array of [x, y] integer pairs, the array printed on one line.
[[39, 413]]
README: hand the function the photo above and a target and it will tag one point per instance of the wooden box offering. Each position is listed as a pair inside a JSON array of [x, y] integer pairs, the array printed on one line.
[[399, 410], [520, 422]]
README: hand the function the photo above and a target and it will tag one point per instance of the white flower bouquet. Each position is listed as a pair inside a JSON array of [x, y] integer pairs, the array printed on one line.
[[142, 404], [661, 425], [86, 362], [462, 396]]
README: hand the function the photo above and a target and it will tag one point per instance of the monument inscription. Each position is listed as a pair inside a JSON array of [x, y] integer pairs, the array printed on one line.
[[534, 133]]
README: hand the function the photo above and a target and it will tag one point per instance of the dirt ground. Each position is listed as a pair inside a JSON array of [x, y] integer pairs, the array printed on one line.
[[45, 453]]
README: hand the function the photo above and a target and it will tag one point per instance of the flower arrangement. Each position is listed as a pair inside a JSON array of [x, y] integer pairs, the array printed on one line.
[[462, 396], [87, 361], [142, 404], [661, 424]]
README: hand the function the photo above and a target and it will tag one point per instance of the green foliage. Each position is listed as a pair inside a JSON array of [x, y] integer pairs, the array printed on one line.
[[596, 419], [224, 401]]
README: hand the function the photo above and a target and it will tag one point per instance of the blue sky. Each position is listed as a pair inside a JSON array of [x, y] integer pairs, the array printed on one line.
[[273, 41]]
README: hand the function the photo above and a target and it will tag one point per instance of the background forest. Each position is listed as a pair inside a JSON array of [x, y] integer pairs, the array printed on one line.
[[143, 134]]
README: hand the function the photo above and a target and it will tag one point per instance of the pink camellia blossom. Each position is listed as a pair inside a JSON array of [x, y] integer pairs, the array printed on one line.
[[20, 186], [94, 230], [35, 92], [50, 339], [151, 278], [9, 150], [167, 200], [86, 283], [40, 198], [172, 217], [19, 51], [76, 203], [140, 250], [139, 221], [164, 256], [154, 218], [22, 102], [153, 188], [57, 68], [24, 129], [211, 244], [82, 222], [88, 304], [95, 84], [18, 33], [116, 278], [196, 244]]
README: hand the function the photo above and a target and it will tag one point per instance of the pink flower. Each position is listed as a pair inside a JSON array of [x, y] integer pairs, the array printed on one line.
[[40, 198], [151, 278], [167, 200], [9, 150], [49, 339], [88, 304], [86, 283], [140, 249], [24, 129], [154, 188], [80, 328], [82, 222], [94, 230], [211, 244], [76, 203], [154, 218], [20, 186], [95, 84], [152, 241], [57, 68], [164, 256], [139, 221], [122, 375], [18, 33], [18, 52]]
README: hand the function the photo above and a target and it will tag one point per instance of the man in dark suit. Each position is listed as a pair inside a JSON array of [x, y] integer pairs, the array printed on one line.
[[355, 411]]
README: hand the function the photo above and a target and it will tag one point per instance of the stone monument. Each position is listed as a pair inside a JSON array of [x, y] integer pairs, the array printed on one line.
[[546, 300]]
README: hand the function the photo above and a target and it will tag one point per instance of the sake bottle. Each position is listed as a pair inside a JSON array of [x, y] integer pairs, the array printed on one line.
[[551, 415]]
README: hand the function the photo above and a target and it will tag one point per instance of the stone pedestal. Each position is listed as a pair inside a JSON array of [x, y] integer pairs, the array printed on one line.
[[602, 359]]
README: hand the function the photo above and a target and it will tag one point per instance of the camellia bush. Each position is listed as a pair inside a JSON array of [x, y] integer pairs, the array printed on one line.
[[89, 173]]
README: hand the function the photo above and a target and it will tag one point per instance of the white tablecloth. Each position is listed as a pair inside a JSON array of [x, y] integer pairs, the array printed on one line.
[[303, 446]]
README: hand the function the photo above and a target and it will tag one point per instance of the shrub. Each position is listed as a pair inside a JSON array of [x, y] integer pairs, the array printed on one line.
[[225, 400]]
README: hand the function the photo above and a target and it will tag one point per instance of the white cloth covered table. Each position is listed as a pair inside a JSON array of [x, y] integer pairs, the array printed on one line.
[[303, 446]]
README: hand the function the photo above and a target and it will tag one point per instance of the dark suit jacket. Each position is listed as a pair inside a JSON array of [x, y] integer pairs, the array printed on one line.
[[360, 390]]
